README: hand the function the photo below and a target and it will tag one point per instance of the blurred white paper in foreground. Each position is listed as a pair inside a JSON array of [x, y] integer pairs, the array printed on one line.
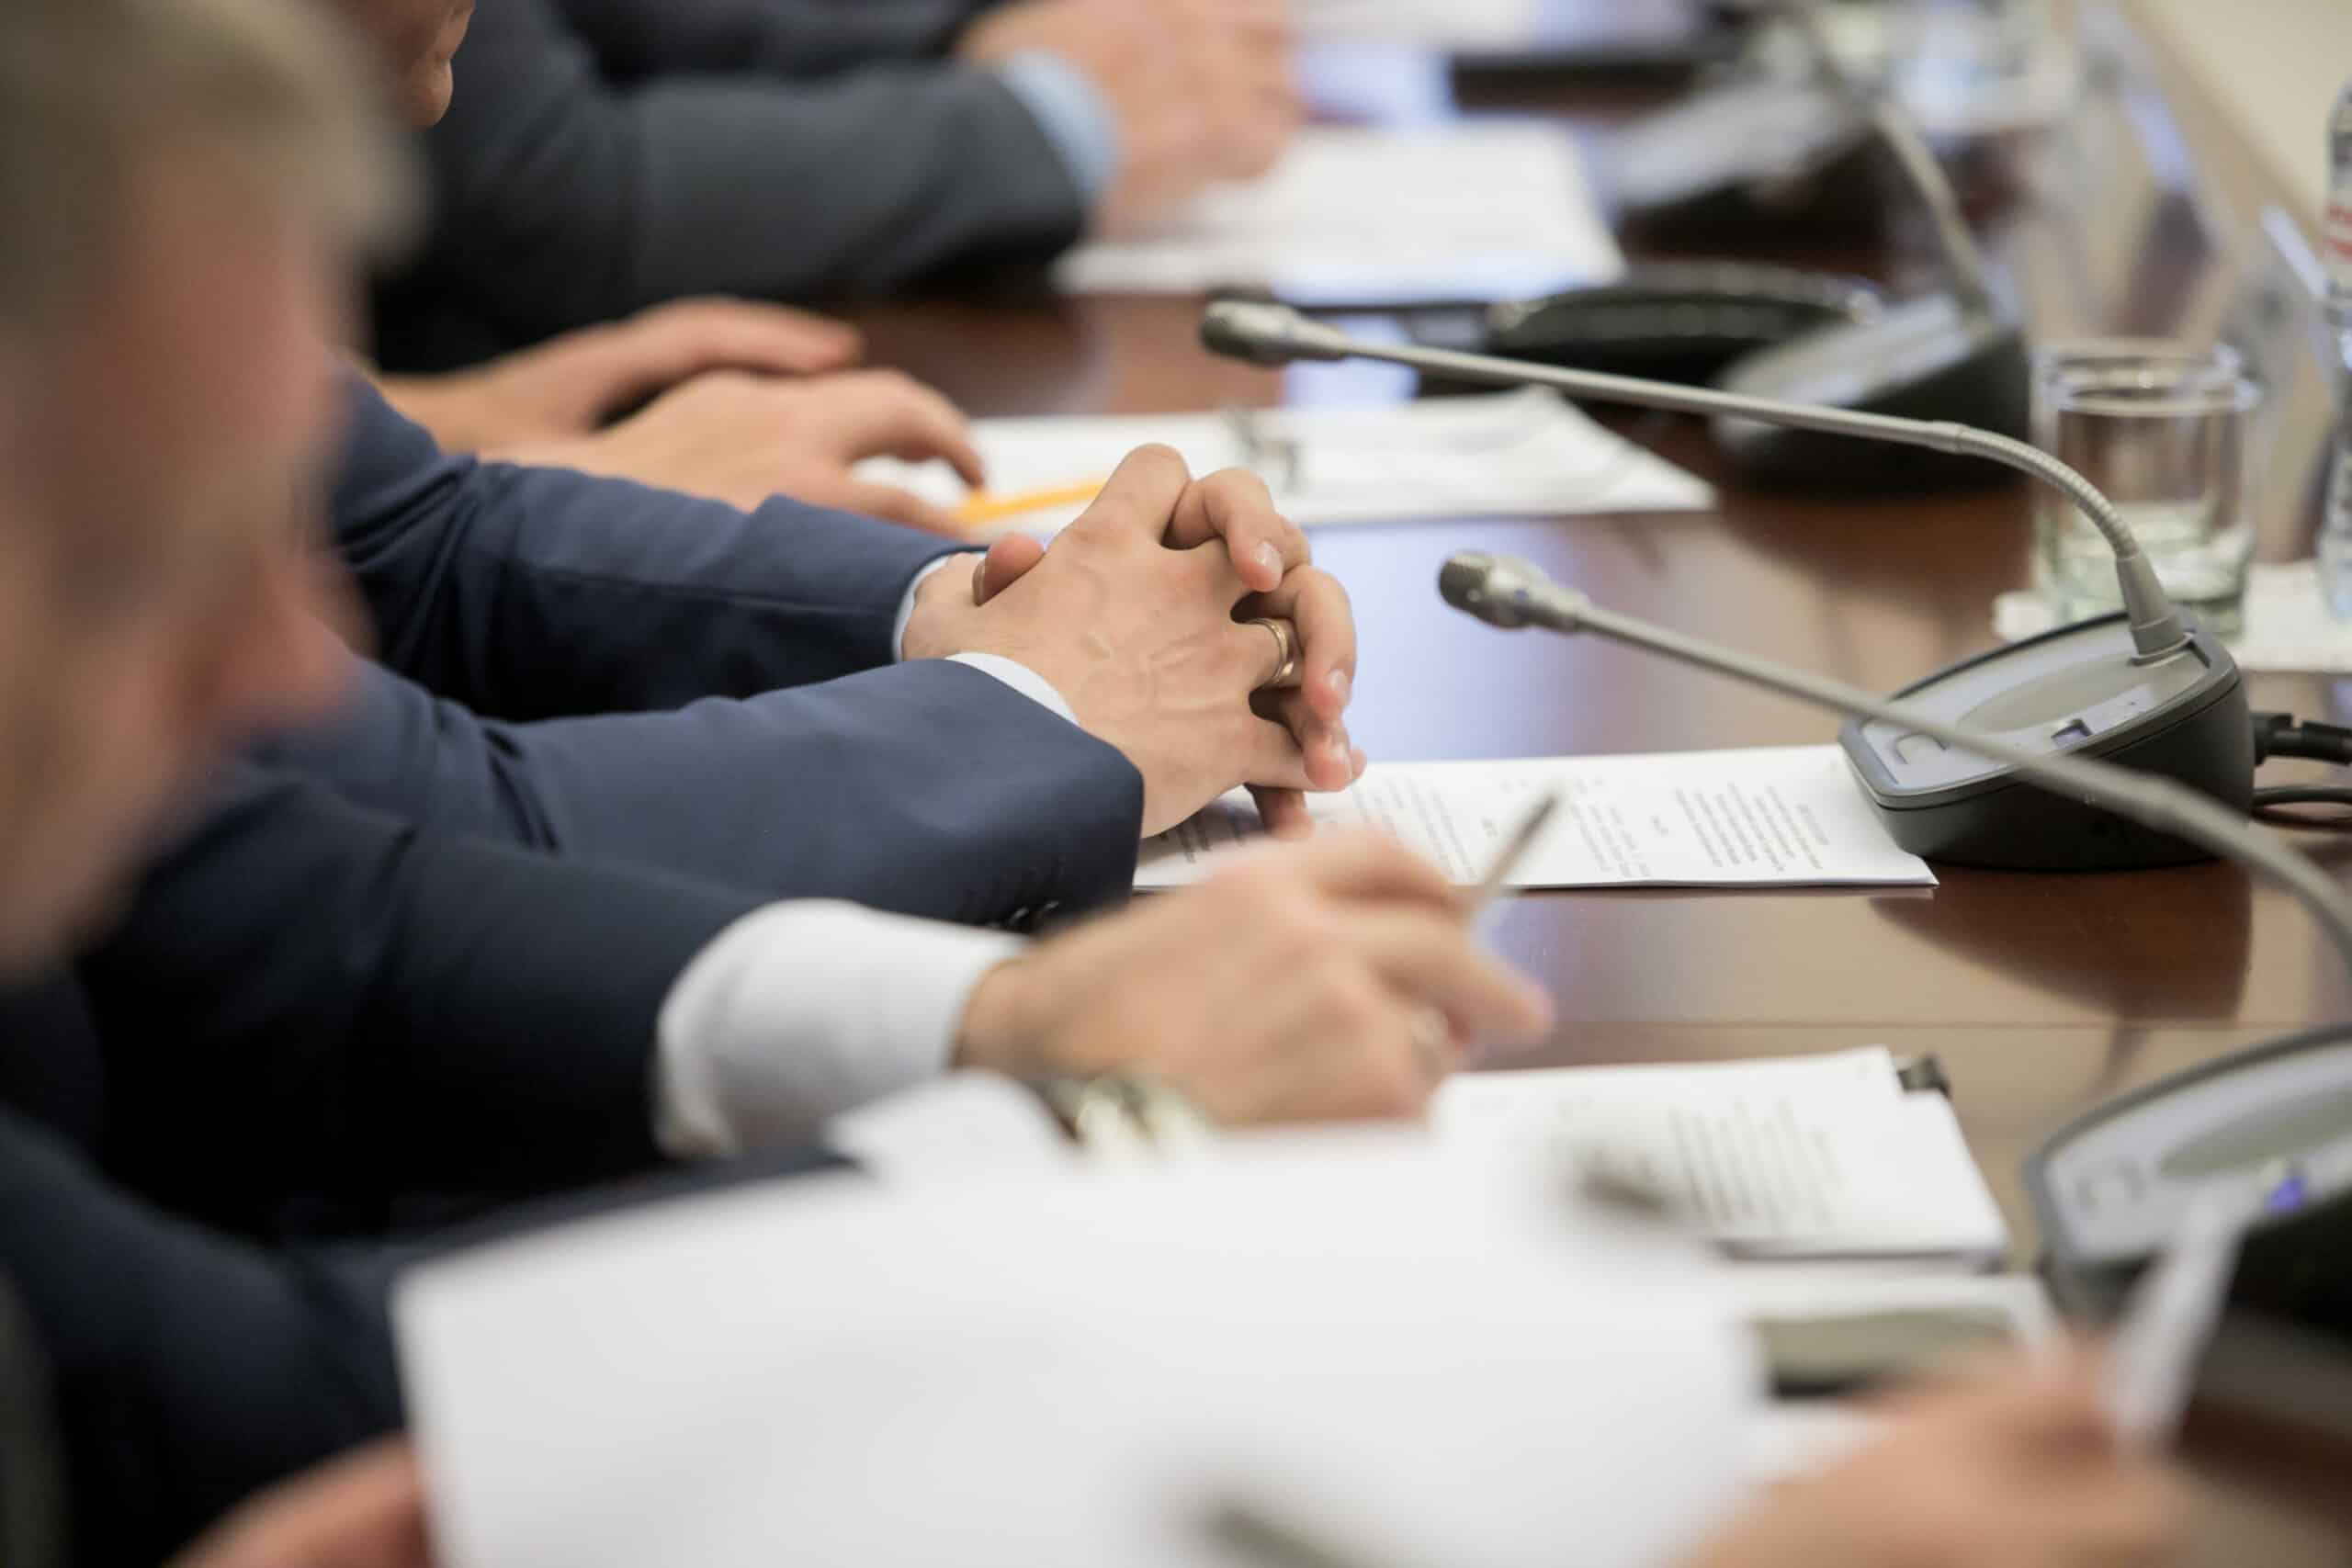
[[1415, 1357], [1527, 453], [1450, 212]]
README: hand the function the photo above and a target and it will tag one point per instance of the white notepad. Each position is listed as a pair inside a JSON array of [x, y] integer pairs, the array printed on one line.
[[1757, 816], [1457, 211], [1355, 1336], [1528, 453], [1807, 1156]]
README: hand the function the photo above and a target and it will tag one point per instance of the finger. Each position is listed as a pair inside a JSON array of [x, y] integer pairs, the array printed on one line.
[[888, 414], [1431, 957], [1262, 650], [1283, 812], [1331, 755], [1271, 758], [1235, 505], [1007, 560], [1358, 864], [892, 504], [672, 342], [1140, 496], [1313, 602]]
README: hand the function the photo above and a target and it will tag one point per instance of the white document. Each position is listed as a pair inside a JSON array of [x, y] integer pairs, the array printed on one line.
[[1457, 211], [1528, 453], [1445, 24], [1805, 1157], [1355, 1336], [1758, 816]]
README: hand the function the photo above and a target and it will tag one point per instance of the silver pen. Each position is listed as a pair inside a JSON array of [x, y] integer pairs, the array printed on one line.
[[2173, 1312], [1516, 843]]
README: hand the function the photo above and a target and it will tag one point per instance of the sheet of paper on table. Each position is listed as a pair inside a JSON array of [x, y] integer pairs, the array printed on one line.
[[1527, 453], [1379, 1342], [1820, 1156], [1395, 216], [1756, 817], [1446, 24]]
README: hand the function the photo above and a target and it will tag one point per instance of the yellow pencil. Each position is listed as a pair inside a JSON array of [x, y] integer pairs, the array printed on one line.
[[985, 506]]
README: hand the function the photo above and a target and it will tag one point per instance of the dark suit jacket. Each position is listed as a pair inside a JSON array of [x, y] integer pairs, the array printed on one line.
[[319, 1031], [191, 1368], [665, 625], [602, 156]]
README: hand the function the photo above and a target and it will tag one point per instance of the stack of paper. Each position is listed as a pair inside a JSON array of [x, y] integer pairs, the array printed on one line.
[[1355, 1339], [1450, 212], [1513, 454], [1808, 1157], [1776, 816]]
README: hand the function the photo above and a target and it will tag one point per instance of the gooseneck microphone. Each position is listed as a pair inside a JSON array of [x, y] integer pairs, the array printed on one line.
[[1971, 276], [1950, 355], [2146, 689], [1276, 334], [1505, 592]]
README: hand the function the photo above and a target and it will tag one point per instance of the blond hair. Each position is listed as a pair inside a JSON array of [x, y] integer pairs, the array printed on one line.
[[92, 90]]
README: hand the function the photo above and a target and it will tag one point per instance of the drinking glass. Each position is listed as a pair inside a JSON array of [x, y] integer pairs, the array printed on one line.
[[2162, 429]]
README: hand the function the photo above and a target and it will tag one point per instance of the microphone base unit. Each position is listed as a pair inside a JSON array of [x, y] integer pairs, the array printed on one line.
[[2277, 1119], [1927, 358], [2079, 689]]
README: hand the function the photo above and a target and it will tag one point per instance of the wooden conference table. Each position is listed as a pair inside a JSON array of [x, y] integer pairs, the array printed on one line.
[[2041, 994]]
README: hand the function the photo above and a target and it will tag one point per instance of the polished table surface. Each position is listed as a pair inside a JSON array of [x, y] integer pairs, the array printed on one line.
[[2041, 994]]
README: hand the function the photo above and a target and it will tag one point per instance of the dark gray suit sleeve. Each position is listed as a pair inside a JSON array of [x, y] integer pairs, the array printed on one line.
[[790, 38], [567, 197]]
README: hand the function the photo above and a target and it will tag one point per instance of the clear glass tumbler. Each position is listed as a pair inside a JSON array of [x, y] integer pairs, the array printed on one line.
[[2163, 429]]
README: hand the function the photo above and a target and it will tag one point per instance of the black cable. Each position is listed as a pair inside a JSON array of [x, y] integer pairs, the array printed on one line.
[[2279, 735]]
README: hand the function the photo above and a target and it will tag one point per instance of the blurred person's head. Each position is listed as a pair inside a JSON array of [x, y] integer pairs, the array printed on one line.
[[418, 40], [183, 183]]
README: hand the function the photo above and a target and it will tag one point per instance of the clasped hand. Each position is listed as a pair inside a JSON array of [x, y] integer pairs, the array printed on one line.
[[1136, 615]]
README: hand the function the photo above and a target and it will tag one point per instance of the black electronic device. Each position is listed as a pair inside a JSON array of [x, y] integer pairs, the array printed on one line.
[[2079, 689], [1676, 321], [1935, 357], [1957, 354], [1754, 152], [2113, 1188]]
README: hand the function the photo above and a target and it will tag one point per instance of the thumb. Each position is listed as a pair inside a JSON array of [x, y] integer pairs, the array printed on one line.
[[1007, 562]]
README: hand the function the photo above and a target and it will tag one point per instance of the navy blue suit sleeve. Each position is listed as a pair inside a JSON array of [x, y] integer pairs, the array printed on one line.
[[190, 1369], [187, 1372], [530, 592], [926, 789], [310, 998], [789, 38]]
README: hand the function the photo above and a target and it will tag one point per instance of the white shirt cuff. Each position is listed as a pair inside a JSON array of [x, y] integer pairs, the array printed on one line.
[[800, 1011], [949, 1129], [1011, 671]]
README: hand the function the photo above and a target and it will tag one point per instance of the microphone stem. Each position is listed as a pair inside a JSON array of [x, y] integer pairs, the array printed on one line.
[[1971, 274], [2151, 801], [2156, 627]]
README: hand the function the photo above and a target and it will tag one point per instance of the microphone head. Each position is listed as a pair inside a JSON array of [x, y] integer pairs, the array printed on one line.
[[1498, 590], [1265, 333]]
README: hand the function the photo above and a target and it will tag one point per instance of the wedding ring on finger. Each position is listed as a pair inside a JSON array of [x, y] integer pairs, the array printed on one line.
[[1285, 637]]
